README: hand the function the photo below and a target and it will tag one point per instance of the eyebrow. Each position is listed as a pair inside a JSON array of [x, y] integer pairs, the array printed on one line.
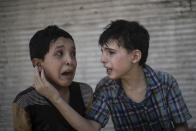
[[108, 48], [59, 46], [62, 46]]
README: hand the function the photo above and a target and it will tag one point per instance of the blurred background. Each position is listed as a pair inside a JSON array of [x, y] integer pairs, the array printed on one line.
[[171, 24]]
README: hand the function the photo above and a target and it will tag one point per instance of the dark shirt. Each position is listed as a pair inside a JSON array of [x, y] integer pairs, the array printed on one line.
[[34, 112]]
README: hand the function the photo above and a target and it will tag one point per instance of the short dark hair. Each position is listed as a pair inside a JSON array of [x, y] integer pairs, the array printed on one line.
[[130, 34], [41, 40]]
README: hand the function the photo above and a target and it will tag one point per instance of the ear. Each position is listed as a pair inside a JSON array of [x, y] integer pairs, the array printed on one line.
[[37, 62], [136, 56]]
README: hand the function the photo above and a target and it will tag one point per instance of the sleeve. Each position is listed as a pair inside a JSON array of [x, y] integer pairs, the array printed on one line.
[[89, 103], [99, 110], [176, 103], [21, 119], [87, 95]]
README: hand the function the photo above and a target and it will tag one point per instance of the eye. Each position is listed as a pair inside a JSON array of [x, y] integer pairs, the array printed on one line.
[[111, 52], [59, 53], [73, 53]]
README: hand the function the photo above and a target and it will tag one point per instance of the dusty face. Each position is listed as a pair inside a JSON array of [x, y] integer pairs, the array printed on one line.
[[60, 62], [116, 60]]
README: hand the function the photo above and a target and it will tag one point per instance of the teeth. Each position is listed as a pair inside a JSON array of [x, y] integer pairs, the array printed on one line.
[[109, 70]]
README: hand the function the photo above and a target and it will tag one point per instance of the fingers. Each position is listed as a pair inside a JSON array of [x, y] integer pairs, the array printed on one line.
[[37, 80], [43, 76], [44, 80], [43, 86], [40, 79], [35, 76]]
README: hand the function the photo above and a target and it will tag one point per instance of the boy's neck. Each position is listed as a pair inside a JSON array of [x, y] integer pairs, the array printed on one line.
[[64, 92], [135, 85], [136, 79]]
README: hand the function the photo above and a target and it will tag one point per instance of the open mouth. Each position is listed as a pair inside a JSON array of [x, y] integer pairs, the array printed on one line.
[[67, 73], [109, 70]]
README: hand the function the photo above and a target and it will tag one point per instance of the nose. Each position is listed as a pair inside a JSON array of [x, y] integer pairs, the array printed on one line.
[[69, 60], [103, 58]]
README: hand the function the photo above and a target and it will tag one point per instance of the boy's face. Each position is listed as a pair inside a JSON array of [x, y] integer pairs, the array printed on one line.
[[116, 60], [60, 62]]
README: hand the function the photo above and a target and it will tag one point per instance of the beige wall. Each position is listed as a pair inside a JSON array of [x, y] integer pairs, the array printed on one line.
[[171, 24]]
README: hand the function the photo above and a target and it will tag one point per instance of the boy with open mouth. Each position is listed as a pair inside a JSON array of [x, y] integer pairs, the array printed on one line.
[[53, 55]]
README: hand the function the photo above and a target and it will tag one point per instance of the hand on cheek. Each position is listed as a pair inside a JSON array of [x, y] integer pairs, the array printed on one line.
[[43, 87]]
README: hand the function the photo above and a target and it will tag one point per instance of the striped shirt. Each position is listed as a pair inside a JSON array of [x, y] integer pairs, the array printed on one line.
[[162, 107]]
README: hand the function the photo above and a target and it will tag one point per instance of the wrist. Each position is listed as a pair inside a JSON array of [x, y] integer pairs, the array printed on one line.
[[57, 99]]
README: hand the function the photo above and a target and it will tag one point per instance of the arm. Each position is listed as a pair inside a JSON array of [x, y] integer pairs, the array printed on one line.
[[177, 106], [21, 119], [181, 127], [75, 119]]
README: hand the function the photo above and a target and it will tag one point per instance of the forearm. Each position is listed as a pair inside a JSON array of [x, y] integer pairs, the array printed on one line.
[[181, 127], [74, 118]]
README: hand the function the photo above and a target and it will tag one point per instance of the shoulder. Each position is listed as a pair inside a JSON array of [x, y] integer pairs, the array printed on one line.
[[163, 80], [84, 87], [159, 77], [106, 87], [86, 92], [167, 82], [166, 78], [104, 82], [28, 97], [22, 94]]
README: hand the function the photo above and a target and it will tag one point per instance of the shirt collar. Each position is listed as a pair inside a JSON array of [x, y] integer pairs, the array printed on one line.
[[152, 79]]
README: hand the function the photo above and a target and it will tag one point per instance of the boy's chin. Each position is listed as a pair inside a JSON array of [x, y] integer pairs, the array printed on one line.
[[112, 77], [62, 84], [67, 84]]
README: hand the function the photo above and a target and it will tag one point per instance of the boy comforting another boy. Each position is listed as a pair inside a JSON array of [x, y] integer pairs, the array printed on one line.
[[52, 50], [137, 97]]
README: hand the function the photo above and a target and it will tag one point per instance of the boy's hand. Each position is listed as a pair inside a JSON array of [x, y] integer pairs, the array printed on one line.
[[44, 87]]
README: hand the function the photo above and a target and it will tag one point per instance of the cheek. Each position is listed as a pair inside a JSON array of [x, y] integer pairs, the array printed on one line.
[[49, 71], [51, 68], [52, 74], [120, 62], [75, 63]]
